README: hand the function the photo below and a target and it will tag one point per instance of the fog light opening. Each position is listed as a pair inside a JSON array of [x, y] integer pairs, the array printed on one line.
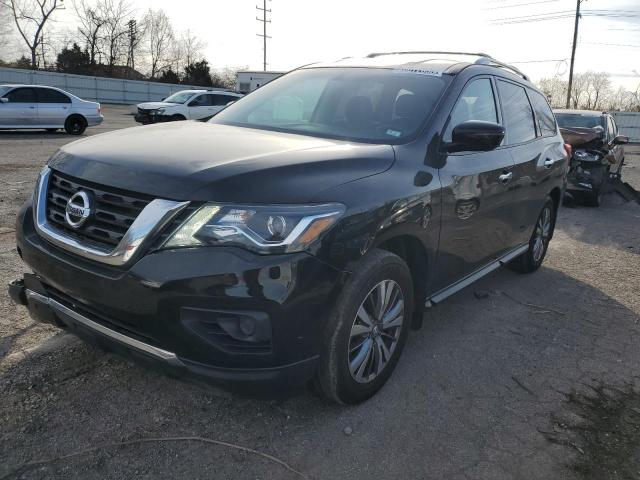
[[247, 326]]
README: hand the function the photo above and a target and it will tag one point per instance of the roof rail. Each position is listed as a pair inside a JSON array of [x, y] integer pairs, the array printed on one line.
[[492, 62], [378, 54], [485, 59]]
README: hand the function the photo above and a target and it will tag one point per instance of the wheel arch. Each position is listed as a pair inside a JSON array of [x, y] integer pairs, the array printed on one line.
[[76, 115], [556, 196], [413, 252]]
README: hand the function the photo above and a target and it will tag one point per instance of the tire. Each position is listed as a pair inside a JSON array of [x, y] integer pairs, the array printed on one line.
[[594, 199], [531, 260], [348, 336], [75, 125], [177, 118]]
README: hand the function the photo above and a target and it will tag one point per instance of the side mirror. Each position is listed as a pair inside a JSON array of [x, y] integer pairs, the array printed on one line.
[[163, 99], [476, 136], [4, 99], [620, 140]]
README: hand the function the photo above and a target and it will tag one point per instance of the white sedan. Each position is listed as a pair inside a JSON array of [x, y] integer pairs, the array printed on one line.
[[35, 106], [186, 105]]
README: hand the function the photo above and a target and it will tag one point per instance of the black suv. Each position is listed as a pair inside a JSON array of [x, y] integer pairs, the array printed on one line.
[[297, 236]]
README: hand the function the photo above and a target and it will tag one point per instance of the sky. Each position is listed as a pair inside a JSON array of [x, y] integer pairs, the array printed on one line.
[[305, 32]]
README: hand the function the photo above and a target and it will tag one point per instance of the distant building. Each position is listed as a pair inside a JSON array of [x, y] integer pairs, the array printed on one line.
[[247, 81]]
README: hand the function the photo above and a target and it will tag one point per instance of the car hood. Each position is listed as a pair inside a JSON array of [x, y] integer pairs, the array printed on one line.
[[212, 162], [154, 105]]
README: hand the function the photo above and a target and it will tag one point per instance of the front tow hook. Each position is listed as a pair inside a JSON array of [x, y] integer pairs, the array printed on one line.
[[17, 292]]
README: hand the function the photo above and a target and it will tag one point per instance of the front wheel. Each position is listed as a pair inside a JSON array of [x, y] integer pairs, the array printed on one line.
[[367, 329], [531, 260], [594, 199]]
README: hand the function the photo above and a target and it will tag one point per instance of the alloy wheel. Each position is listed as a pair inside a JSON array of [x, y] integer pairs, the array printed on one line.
[[375, 331], [542, 233]]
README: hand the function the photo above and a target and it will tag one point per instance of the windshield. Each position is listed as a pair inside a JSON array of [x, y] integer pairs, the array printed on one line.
[[360, 104], [180, 97], [570, 120]]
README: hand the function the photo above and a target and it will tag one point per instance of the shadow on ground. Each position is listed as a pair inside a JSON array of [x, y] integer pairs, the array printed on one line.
[[473, 392]]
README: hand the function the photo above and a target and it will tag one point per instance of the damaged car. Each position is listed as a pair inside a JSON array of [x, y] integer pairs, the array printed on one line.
[[598, 152], [185, 105]]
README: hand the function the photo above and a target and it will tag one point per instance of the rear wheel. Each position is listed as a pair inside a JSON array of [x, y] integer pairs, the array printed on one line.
[[367, 329], [531, 260], [75, 125]]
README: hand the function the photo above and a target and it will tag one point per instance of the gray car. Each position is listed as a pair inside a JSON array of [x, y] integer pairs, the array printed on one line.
[[35, 106]]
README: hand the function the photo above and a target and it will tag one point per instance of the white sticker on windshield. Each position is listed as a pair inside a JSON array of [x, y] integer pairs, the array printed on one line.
[[419, 71], [394, 133]]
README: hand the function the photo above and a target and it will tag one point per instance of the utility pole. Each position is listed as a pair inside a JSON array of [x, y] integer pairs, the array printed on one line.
[[573, 52], [264, 35], [133, 33]]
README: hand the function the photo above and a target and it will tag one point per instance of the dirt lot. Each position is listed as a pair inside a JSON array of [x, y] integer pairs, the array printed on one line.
[[516, 377]]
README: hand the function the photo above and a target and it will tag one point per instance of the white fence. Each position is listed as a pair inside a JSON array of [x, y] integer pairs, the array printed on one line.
[[628, 124], [101, 89]]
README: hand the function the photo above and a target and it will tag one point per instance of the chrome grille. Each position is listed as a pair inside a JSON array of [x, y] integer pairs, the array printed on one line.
[[113, 213]]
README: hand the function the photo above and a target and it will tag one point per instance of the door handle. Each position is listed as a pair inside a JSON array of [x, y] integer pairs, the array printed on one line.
[[548, 163], [505, 177]]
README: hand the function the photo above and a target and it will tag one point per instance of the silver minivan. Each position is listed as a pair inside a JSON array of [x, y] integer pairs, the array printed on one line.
[[35, 106]]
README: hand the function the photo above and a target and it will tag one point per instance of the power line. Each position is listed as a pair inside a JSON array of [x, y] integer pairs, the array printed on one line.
[[542, 61], [612, 44], [520, 5]]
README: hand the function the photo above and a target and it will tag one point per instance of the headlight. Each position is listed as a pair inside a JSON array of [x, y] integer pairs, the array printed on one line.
[[159, 111], [263, 228], [584, 156]]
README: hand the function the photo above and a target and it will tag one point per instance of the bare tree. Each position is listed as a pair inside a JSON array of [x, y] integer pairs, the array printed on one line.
[[159, 38], [579, 88], [192, 46], [598, 87], [117, 14], [5, 29], [92, 19], [555, 89], [30, 18]]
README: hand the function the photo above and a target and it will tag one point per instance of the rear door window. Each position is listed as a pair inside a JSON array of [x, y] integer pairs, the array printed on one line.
[[544, 115], [200, 101], [477, 102], [47, 95], [22, 95], [518, 116], [222, 100]]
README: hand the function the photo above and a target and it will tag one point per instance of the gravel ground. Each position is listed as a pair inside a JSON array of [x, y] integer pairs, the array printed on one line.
[[515, 377]]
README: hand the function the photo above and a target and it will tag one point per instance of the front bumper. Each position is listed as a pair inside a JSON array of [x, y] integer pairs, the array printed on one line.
[[586, 177], [147, 119], [168, 308]]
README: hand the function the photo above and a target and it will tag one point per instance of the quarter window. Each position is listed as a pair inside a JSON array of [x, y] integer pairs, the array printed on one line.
[[518, 116], [476, 103], [22, 95], [611, 130], [544, 115]]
